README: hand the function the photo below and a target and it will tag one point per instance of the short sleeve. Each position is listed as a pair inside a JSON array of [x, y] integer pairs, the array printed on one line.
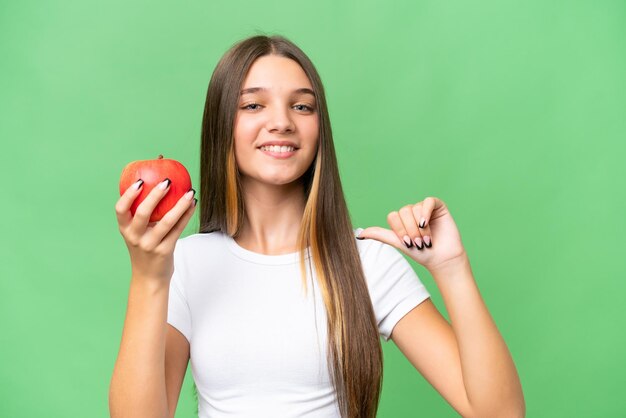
[[178, 313], [395, 288]]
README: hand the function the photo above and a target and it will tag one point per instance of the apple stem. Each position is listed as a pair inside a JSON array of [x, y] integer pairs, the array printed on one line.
[[160, 156]]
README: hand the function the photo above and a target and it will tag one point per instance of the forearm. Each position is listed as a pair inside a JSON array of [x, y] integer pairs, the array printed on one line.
[[489, 374], [137, 386]]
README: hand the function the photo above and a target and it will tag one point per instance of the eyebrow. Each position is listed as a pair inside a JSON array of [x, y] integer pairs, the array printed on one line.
[[303, 90]]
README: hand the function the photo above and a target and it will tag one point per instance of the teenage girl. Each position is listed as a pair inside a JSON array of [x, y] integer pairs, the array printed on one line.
[[276, 257]]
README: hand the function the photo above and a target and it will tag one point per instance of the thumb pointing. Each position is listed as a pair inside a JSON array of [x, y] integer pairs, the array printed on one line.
[[384, 235]]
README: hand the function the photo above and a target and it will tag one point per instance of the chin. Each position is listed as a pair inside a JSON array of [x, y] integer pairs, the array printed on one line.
[[278, 181], [275, 178], [282, 182]]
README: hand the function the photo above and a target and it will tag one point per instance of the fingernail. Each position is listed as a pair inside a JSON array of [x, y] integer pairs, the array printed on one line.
[[407, 241], [360, 238], [138, 184], [190, 194], [427, 241], [165, 184], [422, 223], [418, 243], [195, 201]]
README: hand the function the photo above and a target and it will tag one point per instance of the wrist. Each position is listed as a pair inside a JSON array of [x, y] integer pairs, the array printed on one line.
[[149, 284], [450, 267]]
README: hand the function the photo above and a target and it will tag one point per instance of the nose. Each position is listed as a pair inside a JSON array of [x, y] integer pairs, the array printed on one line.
[[279, 120]]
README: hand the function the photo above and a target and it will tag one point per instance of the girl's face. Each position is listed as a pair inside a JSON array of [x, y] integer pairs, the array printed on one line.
[[276, 106]]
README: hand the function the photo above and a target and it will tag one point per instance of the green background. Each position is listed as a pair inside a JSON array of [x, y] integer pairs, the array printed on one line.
[[513, 113]]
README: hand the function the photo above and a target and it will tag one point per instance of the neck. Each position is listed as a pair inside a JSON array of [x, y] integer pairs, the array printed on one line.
[[273, 216]]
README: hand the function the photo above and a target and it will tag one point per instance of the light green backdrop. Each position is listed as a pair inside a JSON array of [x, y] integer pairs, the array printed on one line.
[[513, 113]]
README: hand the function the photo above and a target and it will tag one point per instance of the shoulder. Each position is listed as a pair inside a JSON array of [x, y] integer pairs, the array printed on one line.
[[373, 252], [382, 263], [385, 267], [196, 253], [199, 248], [393, 285], [200, 241]]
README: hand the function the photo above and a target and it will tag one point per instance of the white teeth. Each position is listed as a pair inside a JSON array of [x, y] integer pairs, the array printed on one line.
[[277, 148]]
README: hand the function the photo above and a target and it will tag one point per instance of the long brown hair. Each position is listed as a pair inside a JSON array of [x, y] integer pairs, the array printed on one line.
[[354, 351]]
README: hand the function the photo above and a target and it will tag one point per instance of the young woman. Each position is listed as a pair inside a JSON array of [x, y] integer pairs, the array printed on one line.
[[276, 257]]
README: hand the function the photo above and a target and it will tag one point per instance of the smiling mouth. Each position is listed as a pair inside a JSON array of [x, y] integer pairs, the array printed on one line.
[[278, 152], [277, 148]]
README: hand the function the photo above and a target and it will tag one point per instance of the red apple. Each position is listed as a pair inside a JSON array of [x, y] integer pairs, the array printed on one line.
[[152, 172]]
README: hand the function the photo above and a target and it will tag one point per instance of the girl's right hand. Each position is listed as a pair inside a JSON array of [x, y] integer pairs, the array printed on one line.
[[151, 245]]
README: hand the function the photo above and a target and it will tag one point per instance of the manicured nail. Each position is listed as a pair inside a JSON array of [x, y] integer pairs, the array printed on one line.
[[138, 184], [418, 243], [195, 201], [360, 238], [427, 241], [190, 194], [165, 184], [422, 223], [407, 241]]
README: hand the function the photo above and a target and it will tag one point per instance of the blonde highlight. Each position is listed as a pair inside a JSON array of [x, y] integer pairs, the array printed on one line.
[[233, 221]]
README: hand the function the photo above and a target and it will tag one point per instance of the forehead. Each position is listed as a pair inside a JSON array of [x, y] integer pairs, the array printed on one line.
[[276, 73]]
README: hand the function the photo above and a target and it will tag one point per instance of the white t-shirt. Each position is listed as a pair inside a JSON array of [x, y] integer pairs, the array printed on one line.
[[254, 345]]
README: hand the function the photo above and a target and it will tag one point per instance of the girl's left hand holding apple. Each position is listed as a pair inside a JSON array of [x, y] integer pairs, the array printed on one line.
[[425, 231]]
